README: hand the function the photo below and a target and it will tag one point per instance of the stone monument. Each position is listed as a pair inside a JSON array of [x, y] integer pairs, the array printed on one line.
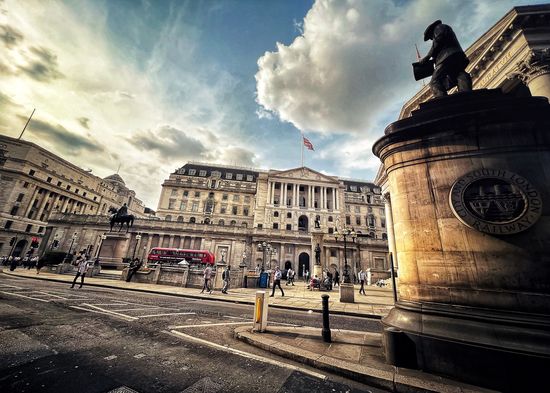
[[469, 181], [317, 248]]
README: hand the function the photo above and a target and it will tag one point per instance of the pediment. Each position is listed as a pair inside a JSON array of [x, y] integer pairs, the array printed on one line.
[[303, 173]]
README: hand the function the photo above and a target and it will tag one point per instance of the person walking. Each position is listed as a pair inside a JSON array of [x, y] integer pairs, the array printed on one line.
[[82, 268], [336, 278], [306, 276], [226, 279], [277, 281], [362, 276], [207, 275], [289, 277], [134, 267]]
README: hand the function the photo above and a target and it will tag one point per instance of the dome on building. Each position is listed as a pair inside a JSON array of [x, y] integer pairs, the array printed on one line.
[[115, 178]]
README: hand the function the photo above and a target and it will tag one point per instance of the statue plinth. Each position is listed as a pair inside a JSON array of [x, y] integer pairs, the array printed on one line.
[[347, 293], [470, 197]]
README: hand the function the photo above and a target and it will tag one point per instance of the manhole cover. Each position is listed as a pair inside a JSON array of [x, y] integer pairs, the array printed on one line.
[[123, 389]]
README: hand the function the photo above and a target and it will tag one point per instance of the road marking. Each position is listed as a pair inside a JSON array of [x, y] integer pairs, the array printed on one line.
[[9, 286], [26, 297], [127, 319], [209, 324], [145, 308], [163, 315], [246, 354], [112, 357], [110, 312], [229, 316], [111, 304], [51, 294]]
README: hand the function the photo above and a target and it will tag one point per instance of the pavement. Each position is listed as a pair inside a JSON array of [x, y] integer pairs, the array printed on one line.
[[353, 354]]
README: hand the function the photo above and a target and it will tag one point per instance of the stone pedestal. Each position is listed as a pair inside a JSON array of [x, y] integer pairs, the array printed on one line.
[[347, 294], [317, 239], [317, 271], [218, 281], [470, 190]]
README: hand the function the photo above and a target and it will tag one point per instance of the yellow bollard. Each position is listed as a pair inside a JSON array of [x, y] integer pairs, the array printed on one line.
[[260, 312]]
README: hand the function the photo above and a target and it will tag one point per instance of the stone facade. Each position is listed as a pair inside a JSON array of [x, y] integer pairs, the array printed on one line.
[[232, 210], [36, 184]]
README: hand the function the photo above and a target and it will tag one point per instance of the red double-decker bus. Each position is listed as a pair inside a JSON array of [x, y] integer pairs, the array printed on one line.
[[173, 256]]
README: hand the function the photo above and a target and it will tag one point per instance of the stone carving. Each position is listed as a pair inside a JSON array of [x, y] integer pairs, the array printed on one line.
[[495, 201], [536, 64]]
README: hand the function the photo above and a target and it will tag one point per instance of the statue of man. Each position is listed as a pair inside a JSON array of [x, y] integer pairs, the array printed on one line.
[[317, 255], [317, 222], [449, 58], [122, 211]]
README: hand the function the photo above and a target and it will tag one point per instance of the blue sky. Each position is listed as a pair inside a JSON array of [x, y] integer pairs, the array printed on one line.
[[153, 84]]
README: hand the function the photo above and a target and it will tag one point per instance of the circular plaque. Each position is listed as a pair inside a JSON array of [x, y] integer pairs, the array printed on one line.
[[495, 201]]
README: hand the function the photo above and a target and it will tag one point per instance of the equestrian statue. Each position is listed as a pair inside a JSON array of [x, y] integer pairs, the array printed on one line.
[[121, 216]]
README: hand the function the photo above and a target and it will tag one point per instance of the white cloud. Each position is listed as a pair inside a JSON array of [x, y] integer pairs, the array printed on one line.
[[353, 60]]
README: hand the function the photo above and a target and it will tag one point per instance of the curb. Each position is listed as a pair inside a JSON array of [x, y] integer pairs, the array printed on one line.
[[237, 301], [399, 380]]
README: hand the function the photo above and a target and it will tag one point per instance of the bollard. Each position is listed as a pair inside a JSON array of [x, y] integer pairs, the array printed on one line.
[[326, 328], [260, 312]]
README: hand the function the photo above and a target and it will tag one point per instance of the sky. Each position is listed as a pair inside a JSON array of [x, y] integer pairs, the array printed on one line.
[[150, 85]]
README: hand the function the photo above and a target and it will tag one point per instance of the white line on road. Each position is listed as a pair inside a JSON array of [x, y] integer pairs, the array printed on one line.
[[109, 312], [229, 316], [111, 304], [27, 297], [127, 319], [144, 308], [246, 354], [209, 324], [51, 294], [163, 315]]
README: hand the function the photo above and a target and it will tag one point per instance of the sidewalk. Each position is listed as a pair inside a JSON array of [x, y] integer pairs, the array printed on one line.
[[376, 304], [355, 355]]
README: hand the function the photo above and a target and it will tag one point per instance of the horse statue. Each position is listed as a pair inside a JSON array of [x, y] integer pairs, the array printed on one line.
[[127, 219]]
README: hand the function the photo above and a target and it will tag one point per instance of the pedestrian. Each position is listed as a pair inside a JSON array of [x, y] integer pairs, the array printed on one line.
[[362, 276], [39, 265], [277, 281], [336, 278], [306, 275], [134, 267], [207, 275], [226, 278], [289, 276], [13, 263], [82, 268], [257, 270]]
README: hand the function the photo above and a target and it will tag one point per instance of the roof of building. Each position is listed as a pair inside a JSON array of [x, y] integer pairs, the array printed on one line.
[[115, 178], [223, 170]]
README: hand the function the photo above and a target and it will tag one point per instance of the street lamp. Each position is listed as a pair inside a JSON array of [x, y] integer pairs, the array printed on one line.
[[268, 251], [138, 238], [70, 247], [345, 234]]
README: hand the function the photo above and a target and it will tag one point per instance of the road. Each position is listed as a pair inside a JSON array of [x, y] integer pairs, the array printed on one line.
[[57, 339]]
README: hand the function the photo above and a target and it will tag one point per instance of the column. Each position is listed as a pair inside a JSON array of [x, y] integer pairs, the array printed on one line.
[[65, 203], [297, 196], [283, 194], [171, 241], [336, 198], [534, 71], [182, 242], [272, 193], [324, 198], [43, 202], [333, 198], [31, 201], [268, 192]]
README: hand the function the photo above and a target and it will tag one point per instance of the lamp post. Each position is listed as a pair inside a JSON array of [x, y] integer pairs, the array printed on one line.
[[138, 238], [103, 237], [70, 247], [268, 251], [345, 234]]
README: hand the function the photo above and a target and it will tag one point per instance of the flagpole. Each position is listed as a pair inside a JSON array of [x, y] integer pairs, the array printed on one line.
[[302, 140]]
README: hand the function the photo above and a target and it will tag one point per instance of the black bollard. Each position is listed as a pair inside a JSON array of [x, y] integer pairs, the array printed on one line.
[[326, 328]]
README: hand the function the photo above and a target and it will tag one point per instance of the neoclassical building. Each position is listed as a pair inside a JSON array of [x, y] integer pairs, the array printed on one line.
[[513, 55], [35, 184], [232, 210]]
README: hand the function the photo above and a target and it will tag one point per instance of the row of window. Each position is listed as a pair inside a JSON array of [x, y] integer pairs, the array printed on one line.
[[197, 194], [228, 175], [59, 184], [357, 209], [9, 223], [193, 220], [370, 221]]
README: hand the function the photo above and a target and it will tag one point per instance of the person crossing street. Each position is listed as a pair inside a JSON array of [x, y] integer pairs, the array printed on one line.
[[277, 281], [82, 268]]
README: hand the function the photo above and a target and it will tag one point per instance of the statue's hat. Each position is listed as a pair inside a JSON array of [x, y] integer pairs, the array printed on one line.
[[428, 33]]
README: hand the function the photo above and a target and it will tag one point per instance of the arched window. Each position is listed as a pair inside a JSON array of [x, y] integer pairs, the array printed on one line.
[[275, 214], [233, 223], [168, 218], [371, 235], [330, 219], [384, 236], [289, 215], [192, 220], [244, 224], [180, 218], [221, 222], [207, 221]]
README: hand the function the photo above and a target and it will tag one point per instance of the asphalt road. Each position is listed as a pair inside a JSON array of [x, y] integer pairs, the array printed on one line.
[[57, 339]]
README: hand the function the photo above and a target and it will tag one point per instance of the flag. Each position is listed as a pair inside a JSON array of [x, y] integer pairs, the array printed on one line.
[[308, 144]]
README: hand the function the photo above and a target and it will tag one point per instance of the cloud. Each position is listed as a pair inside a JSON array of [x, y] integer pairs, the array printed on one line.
[[41, 65], [10, 36], [64, 140], [236, 156], [84, 122], [168, 142], [353, 60]]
